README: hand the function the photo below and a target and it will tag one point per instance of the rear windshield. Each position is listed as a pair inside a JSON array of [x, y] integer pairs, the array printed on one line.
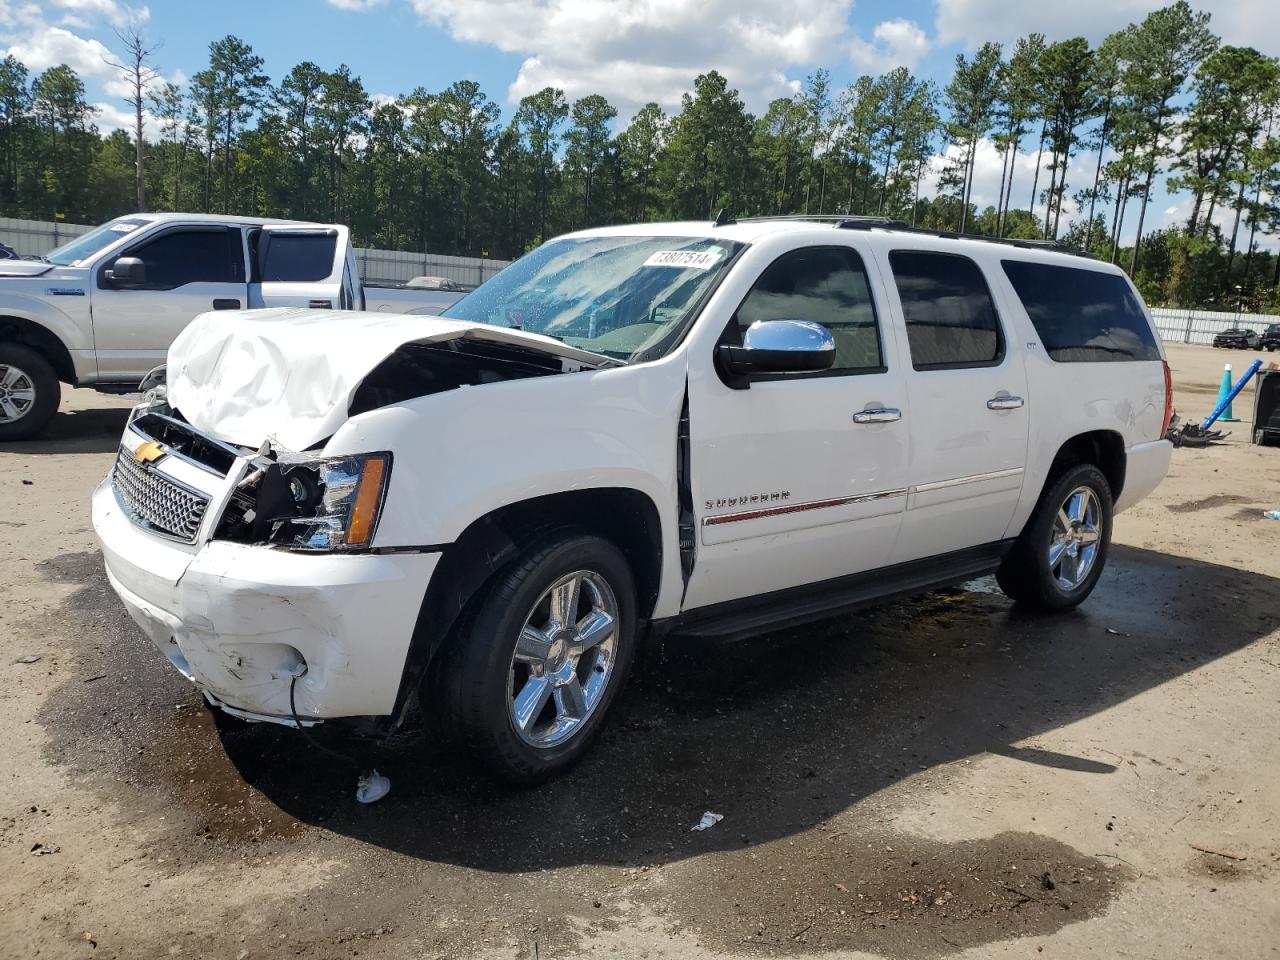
[[297, 257], [1082, 316]]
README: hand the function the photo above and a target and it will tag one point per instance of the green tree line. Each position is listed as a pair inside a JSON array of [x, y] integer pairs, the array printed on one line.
[[1160, 102]]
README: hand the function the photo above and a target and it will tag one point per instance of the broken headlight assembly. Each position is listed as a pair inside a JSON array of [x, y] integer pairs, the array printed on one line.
[[311, 505]]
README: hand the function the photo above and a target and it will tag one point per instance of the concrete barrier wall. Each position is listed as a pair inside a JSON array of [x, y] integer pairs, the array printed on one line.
[[37, 237]]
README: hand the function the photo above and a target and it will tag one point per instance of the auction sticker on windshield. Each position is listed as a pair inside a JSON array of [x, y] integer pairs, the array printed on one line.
[[683, 259]]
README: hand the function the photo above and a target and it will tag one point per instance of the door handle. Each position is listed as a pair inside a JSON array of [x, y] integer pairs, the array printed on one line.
[[877, 415], [1005, 403], [229, 303], [320, 304]]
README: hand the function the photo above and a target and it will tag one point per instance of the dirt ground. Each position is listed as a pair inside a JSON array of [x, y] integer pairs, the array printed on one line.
[[943, 776]]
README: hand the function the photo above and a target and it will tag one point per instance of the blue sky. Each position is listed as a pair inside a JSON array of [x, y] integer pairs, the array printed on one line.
[[629, 50]]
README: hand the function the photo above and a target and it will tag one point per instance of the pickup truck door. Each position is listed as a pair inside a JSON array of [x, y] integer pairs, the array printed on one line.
[[967, 389], [800, 477], [191, 268], [302, 266]]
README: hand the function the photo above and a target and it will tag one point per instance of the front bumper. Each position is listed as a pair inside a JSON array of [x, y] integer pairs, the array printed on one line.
[[238, 620]]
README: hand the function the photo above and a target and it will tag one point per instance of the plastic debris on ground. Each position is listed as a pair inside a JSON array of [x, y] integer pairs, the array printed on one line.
[[1271, 514], [372, 787], [29, 658], [708, 821]]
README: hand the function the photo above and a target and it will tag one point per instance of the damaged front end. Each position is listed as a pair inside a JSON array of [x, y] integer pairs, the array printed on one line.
[[245, 541]]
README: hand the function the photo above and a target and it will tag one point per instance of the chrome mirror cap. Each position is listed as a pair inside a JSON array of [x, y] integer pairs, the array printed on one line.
[[789, 336]]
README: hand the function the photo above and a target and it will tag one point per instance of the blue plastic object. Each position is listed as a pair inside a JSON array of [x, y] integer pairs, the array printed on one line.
[[1226, 401]]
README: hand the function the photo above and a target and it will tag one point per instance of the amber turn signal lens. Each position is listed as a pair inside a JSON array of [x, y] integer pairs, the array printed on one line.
[[364, 514]]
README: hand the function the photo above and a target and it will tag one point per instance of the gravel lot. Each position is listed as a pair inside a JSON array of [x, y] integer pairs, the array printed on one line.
[[943, 776]]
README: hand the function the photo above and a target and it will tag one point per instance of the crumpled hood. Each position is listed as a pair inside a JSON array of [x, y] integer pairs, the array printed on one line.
[[288, 374]]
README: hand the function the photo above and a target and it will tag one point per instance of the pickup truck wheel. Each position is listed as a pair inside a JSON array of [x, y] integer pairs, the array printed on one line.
[[1057, 561], [535, 669], [29, 392]]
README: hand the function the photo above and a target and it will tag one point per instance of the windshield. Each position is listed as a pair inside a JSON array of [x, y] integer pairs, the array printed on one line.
[[70, 254], [628, 298]]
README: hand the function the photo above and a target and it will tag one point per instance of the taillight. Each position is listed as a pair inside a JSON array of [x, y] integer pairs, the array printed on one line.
[[1168, 399]]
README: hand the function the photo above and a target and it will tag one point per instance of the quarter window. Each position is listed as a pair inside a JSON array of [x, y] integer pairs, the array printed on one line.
[[1082, 316], [298, 257], [191, 256], [827, 285], [951, 318]]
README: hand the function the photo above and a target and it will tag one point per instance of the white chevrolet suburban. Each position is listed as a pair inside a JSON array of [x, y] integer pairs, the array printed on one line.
[[673, 429], [102, 310]]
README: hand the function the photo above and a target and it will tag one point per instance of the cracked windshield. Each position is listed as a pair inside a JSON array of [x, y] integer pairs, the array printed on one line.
[[628, 298]]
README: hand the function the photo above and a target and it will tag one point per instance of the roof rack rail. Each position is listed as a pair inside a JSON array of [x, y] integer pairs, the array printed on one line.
[[845, 221]]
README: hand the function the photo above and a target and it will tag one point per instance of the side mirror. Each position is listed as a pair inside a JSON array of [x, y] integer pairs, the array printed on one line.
[[777, 346], [127, 272]]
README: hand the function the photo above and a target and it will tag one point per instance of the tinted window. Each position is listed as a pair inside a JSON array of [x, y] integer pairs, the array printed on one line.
[[951, 319], [827, 285], [299, 257], [191, 256], [1082, 315]]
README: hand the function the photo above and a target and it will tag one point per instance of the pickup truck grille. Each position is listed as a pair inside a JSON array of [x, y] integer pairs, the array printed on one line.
[[155, 501]]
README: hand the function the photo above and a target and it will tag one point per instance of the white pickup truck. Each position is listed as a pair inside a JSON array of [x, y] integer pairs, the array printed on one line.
[[677, 428], [102, 310]]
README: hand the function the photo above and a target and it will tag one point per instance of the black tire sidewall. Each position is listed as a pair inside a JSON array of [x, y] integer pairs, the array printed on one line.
[[478, 671], [1051, 593], [45, 381]]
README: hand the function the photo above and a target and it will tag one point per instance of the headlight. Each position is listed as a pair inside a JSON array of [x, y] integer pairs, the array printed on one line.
[[333, 504]]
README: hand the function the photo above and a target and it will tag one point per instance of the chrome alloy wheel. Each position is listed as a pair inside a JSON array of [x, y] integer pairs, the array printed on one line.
[[563, 661], [17, 393], [1073, 547]]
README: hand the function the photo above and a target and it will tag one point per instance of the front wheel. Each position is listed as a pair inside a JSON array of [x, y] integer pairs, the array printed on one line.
[[1059, 557], [29, 391], [536, 667]]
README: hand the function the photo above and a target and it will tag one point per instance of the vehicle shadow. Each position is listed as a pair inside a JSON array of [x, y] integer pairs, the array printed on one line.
[[779, 733], [95, 430]]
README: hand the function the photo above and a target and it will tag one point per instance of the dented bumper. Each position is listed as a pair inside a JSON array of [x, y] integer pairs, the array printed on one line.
[[239, 620]]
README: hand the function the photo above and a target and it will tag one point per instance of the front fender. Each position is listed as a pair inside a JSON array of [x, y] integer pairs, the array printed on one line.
[[461, 454], [72, 326]]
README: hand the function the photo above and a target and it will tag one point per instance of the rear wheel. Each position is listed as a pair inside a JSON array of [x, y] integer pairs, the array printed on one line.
[[536, 667], [1061, 553], [29, 392]]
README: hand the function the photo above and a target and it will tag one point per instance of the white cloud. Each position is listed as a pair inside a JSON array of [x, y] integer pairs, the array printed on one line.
[[632, 51], [356, 6], [895, 43], [1250, 23], [47, 46]]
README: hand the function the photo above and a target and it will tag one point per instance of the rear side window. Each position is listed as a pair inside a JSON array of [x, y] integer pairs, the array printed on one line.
[[1082, 316], [951, 318], [827, 285], [297, 257], [179, 257]]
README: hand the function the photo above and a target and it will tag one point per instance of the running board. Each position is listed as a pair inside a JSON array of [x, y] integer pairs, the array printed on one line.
[[752, 616]]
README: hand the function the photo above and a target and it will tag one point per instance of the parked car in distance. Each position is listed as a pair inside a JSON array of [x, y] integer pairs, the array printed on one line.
[[668, 429], [1270, 337], [101, 310], [1238, 338], [8, 253], [428, 296]]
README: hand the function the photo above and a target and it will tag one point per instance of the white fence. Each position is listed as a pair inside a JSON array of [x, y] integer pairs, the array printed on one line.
[[33, 238], [1200, 326], [37, 237]]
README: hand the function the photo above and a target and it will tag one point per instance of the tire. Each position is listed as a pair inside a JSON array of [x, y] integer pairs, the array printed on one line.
[[29, 392], [1027, 574], [490, 682]]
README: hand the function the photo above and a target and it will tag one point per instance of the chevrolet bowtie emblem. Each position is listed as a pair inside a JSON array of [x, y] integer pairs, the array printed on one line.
[[149, 452]]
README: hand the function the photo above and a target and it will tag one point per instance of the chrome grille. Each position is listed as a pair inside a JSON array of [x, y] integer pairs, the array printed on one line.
[[156, 501]]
